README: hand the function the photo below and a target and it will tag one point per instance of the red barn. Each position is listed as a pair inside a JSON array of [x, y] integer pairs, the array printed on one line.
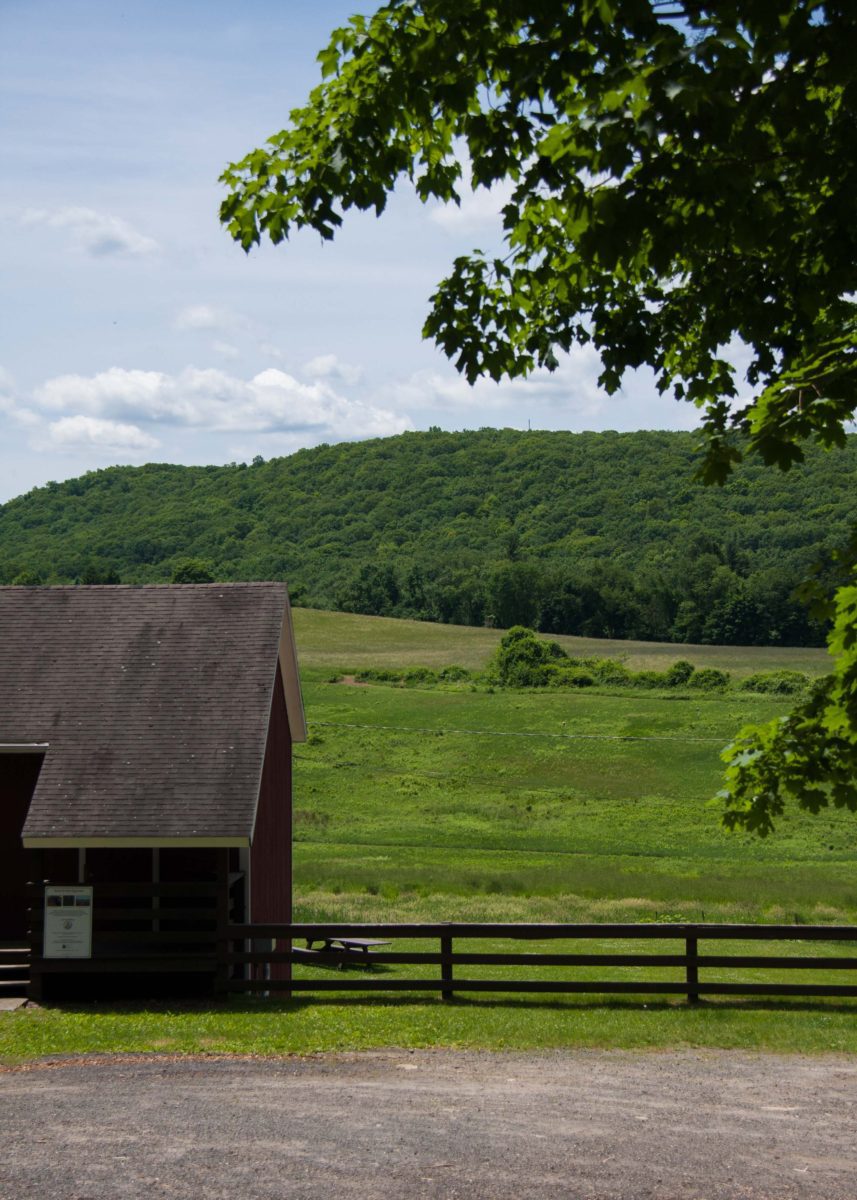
[[145, 779]]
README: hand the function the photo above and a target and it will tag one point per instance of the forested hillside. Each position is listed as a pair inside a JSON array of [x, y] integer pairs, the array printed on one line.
[[599, 534]]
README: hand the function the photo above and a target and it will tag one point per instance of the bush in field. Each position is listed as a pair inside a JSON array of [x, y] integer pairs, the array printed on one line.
[[648, 679], [775, 683], [613, 674], [676, 676], [562, 675], [709, 679], [679, 673], [409, 677], [415, 676], [524, 660], [378, 675], [454, 674]]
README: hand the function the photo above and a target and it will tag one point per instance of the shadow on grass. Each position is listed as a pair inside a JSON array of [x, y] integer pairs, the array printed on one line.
[[256, 1004]]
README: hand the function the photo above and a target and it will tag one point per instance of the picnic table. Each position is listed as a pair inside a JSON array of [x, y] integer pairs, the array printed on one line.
[[342, 945]]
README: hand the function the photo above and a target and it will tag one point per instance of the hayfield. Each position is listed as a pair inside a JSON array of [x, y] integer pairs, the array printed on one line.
[[344, 641]]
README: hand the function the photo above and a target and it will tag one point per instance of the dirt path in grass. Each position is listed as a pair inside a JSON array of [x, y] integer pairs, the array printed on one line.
[[606, 1124]]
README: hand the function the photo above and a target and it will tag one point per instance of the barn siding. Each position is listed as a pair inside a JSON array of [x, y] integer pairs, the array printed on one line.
[[271, 852]]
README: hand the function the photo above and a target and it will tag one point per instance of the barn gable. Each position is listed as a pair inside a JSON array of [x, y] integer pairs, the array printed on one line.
[[153, 704]]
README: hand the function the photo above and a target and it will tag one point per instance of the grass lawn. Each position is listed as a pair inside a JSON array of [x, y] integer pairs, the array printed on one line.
[[269, 1027]]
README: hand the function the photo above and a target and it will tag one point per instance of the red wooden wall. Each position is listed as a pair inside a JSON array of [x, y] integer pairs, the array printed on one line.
[[271, 852]]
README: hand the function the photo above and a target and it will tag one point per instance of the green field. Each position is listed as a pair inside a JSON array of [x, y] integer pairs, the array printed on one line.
[[559, 805]]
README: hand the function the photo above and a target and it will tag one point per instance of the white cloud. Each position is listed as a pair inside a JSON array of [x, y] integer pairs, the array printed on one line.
[[573, 384], [328, 366], [97, 234], [226, 349], [569, 397], [213, 400], [210, 317], [114, 391], [10, 405], [92, 433]]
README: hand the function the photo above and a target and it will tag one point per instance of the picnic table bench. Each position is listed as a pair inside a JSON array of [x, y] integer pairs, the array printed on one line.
[[343, 945]]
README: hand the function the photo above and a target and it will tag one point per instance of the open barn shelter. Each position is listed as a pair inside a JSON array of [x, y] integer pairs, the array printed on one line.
[[145, 779]]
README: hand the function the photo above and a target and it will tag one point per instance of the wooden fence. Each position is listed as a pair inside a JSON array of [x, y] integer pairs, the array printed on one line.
[[245, 961]]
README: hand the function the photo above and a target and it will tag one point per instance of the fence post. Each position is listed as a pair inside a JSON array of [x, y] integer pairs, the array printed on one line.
[[446, 967], [692, 970]]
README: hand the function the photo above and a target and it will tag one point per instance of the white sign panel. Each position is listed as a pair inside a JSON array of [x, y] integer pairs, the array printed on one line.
[[68, 922]]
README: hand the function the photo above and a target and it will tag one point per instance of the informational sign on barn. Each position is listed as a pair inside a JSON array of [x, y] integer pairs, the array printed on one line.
[[68, 922]]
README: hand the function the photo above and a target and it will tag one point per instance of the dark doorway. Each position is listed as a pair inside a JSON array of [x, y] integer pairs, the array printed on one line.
[[18, 775]]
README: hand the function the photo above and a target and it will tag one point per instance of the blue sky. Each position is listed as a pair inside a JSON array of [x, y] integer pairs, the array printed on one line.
[[132, 329]]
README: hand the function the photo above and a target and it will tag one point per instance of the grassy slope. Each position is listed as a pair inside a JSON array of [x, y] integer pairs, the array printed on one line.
[[414, 797], [333, 640], [595, 797], [589, 804]]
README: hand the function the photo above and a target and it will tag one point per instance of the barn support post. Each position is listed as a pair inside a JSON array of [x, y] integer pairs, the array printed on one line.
[[221, 971], [36, 889]]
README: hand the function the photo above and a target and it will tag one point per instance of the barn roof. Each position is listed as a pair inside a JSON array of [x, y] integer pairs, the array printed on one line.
[[154, 704]]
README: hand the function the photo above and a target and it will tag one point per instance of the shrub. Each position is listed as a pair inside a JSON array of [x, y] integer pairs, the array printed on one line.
[[610, 672], [709, 679], [454, 674], [570, 676], [417, 675], [775, 683], [649, 679], [679, 673], [524, 660]]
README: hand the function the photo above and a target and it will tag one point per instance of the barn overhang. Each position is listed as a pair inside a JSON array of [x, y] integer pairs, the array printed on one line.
[[288, 659], [133, 843]]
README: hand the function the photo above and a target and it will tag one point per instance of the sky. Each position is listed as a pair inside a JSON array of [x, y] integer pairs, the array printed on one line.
[[132, 328]]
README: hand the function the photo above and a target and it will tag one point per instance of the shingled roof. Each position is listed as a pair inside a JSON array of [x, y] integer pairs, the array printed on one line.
[[154, 704]]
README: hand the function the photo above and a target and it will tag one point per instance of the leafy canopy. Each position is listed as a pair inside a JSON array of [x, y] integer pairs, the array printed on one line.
[[683, 174]]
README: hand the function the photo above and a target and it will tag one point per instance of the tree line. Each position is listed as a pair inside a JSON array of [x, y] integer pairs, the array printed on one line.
[[598, 534]]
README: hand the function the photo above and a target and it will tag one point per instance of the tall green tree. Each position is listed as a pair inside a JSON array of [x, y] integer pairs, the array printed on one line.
[[683, 178]]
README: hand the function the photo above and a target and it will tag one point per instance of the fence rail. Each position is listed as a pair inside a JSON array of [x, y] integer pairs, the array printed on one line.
[[240, 953]]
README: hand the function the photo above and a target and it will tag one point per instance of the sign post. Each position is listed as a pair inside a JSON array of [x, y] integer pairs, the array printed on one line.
[[68, 921]]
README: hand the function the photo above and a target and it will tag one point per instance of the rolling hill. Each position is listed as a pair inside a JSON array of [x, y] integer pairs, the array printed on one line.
[[591, 534]]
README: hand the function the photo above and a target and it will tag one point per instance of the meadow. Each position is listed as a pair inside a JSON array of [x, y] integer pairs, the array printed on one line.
[[464, 801], [349, 641]]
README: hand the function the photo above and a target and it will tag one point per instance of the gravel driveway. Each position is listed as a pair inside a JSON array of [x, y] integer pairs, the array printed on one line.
[[606, 1124]]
